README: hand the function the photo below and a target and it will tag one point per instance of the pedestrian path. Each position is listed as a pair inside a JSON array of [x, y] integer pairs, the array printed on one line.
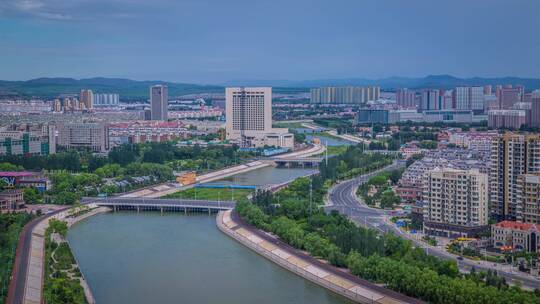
[[325, 275]]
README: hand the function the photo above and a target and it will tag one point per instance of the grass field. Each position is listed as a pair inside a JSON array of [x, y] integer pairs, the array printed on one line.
[[211, 194]]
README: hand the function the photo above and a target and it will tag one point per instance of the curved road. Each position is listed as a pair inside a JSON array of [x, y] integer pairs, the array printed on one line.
[[342, 198], [20, 266]]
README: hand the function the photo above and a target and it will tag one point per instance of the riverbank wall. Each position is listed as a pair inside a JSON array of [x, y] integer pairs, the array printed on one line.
[[327, 276], [35, 275]]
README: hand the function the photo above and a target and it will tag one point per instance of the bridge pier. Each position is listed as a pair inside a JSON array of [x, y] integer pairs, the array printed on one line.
[[138, 209]]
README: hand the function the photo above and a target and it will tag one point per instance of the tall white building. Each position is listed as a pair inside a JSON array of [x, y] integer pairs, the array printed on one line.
[[469, 98], [455, 202], [106, 99], [249, 118], [159, 101]]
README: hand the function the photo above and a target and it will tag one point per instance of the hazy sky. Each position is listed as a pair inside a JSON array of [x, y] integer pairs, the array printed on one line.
[[210, 41]]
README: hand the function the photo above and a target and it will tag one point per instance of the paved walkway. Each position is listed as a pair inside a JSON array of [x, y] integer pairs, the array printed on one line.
[[325, 275]]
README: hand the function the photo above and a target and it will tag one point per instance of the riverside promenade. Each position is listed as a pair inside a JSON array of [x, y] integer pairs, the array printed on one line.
[[29, 275], [302, 264]]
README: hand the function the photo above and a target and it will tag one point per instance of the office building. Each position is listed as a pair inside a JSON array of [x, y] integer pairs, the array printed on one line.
[[371, 116], [106, 99], [431, 100], [41, 142], [86, 98], [488, 90], [455, 202], [406, 98], [87, 135], [511, 156], [249, 118], [516, 236], [345, 95], [528, 198], [459, 116], [159, 102]]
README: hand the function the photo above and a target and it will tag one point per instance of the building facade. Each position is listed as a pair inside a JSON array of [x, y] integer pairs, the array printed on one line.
[[106, 99], [87, 98], [249, 118], [455, 202], [28, 143], [516, 236], [159, 102], [528, 198], [11, 200], [510, 119], [406, 98], [87, 135], [511, 156]]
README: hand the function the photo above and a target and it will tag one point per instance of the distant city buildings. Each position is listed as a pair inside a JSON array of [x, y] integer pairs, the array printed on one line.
[[406, 98], [94, 136], [430, 100], [86, 97], [159, 102], [106, 99], [345, 95], [249, 118]]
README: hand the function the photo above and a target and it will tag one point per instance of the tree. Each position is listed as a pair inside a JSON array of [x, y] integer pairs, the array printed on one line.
[[32, 196]]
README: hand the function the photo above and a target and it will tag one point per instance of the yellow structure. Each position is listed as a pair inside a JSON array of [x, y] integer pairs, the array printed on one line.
[[187, 178]]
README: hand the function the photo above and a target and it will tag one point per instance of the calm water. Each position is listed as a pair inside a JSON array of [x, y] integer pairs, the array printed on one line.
[[174, 258], [265, 176]]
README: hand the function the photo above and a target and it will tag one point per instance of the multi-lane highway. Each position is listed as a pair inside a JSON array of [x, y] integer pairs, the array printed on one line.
[[342, 197]]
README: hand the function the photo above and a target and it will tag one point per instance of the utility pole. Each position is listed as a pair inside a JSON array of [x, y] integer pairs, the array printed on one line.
[[326, 152], [310, 195]]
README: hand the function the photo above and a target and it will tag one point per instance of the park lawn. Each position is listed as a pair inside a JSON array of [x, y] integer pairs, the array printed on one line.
[[293, 125], [222, 194]]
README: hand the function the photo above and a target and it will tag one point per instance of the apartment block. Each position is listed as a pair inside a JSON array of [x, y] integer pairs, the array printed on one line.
[[345, 95], [528, 198], [455, 202], [511, 156]]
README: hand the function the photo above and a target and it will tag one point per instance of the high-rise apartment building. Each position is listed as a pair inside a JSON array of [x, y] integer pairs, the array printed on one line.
[[528, 198], [159, 102], [431, 100], [455, 202], [249, 118], [345, 95], [508, 96], [90, 135], [87, 99], [469, 98], [511, 156], [406, 98], [535, 109], [106, 99]]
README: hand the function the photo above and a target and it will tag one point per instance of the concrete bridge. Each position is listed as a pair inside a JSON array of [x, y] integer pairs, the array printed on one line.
[[162, 205], [298, 161]]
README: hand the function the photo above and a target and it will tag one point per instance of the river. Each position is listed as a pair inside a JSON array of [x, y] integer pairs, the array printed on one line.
[[174, 258]]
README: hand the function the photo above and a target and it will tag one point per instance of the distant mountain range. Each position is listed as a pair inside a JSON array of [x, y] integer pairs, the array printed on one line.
[[132, 89], [431, 81], [52, 87]]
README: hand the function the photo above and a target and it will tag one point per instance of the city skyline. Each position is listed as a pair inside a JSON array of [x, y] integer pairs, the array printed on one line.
[[290, 41]]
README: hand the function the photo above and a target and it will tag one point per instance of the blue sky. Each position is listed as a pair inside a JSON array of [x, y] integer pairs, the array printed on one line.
[[211, 41]]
